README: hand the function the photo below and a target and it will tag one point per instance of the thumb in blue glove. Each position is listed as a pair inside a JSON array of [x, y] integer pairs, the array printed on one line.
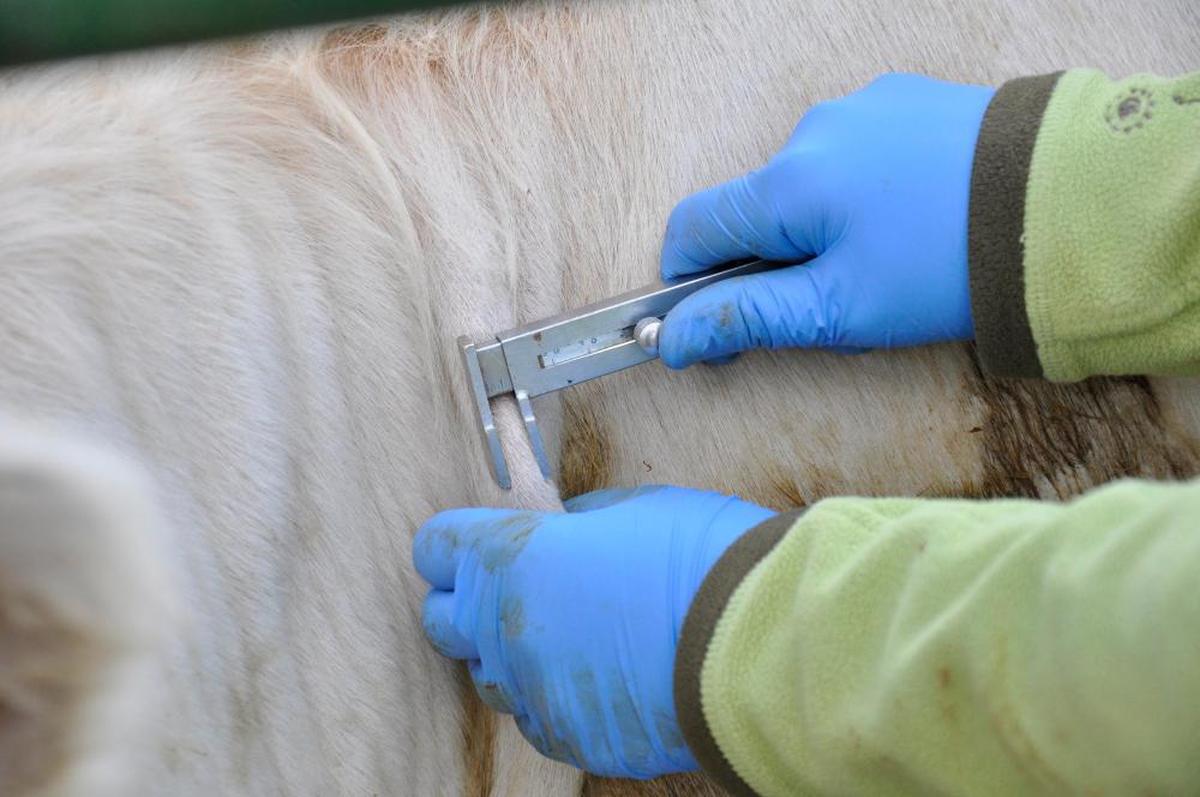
[[570, 620], [874, 188]]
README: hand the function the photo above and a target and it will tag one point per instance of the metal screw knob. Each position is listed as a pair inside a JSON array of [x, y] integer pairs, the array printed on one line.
[[646, 334]]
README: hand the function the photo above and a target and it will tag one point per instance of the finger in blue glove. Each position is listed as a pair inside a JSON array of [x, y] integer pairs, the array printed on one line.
[[570, 620]]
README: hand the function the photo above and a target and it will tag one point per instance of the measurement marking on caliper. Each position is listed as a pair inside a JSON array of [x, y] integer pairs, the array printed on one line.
[[586, 347]]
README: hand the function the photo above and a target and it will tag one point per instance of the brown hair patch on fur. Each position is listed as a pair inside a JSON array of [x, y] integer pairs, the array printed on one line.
[[689, 785], [479, 740], [37, 667], [784, 486], [1042, 439], [449, 50], [49, 668], [773, 485], [358, 57], [787, 493], [586, 450]]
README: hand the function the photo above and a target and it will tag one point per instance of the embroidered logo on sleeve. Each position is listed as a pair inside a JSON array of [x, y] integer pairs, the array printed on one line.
[[1130, 111]]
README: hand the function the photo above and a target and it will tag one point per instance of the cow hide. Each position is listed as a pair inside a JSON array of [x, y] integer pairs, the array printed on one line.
[[230, 281]]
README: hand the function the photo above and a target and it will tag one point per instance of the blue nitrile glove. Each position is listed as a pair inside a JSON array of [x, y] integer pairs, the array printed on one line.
[[874, 186], [570, 620]]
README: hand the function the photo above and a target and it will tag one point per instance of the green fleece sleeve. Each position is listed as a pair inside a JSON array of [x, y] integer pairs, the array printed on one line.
[[1084, 227], [913, 647]]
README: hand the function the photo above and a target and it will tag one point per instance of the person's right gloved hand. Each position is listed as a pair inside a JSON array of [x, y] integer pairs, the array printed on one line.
[[874, 188]]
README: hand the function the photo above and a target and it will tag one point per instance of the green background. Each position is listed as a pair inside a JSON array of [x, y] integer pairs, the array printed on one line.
[[33, 30]]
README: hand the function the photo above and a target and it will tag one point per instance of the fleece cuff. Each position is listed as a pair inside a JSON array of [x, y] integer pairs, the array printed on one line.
[[702, 618], [996, 222]]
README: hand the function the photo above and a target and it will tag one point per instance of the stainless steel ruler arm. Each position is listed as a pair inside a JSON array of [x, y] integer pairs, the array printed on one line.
[[570, 349]]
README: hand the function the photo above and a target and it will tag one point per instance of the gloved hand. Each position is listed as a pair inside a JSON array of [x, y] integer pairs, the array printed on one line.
[[570, 620], [874, 187]]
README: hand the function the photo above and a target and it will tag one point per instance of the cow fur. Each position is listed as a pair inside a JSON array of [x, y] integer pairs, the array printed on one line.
[[230, 281]]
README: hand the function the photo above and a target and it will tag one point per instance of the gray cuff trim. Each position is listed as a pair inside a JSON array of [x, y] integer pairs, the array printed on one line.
[[702, 618], [996, 223]]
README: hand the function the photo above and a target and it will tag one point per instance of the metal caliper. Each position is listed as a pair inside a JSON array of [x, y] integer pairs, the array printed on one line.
[[570, 349]]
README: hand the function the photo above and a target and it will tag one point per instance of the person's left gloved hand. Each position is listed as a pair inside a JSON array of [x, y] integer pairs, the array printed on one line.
[[570, 620]]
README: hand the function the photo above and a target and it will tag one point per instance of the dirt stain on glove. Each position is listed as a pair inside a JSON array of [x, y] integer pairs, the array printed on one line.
[[511, 535], [512, 617]]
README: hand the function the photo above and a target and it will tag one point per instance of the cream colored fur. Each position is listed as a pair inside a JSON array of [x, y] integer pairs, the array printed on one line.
[[238, 271], [84, 605]]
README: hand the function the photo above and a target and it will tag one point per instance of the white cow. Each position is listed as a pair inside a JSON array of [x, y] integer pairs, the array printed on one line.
[[230, 282]]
